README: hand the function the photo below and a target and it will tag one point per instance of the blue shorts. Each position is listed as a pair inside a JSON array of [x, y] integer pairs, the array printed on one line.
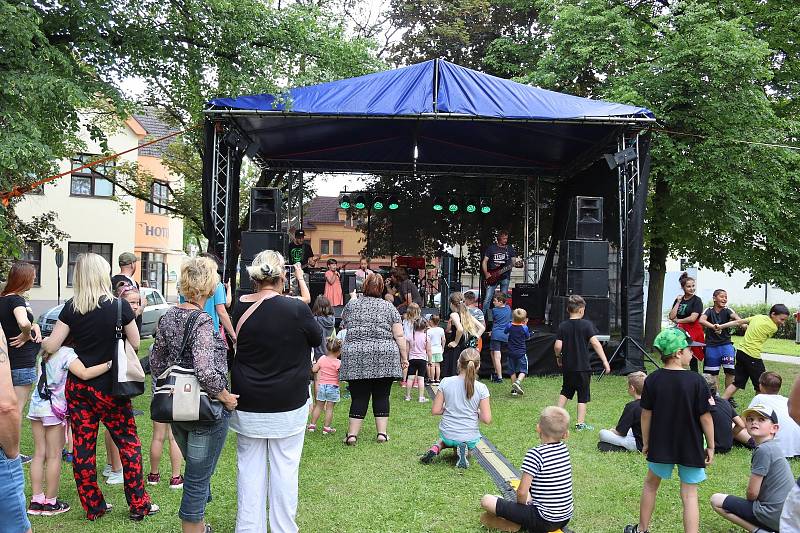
[[13, 506], [687, 474], [497, 346], [517, 363], [328, 393], [454, 443], [717, 356], [22, 377]]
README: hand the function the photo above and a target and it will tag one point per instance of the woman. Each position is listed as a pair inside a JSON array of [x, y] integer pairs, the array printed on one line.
[[685, 313], [275, 335], [372, 357], [200, 442], [90, 318], [408, 290], [466, 332], [23, 334]]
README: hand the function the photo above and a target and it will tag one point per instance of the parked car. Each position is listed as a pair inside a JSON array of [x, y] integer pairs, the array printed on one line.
[[154, 308]]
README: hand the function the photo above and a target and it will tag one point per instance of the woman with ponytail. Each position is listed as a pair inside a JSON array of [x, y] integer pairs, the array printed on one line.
[[685, 313], [465, 331], [463, 402]]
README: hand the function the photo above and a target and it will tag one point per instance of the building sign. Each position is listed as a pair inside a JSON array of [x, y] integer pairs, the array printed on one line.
[[155, 235]]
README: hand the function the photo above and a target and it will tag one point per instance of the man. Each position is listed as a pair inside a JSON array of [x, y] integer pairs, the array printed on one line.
[[13, 513], [127, 268], [301, 252], [498, 256]]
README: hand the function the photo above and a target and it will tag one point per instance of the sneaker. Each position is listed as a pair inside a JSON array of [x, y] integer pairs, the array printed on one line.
[[68, 457], [52, 509], [517, 387], [461, 452], [583, 426], [138, 517], [634, 528], [423, 400], [176, 482], [407, 398], [35, 508], [311, 428], [496, 379], [428, 458], [327, 430], [107, 470], [115, 478], [403, 384], [514, 393], [25, 459], [153, 479]]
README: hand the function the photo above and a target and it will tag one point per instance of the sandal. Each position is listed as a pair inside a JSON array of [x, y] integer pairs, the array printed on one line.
[[349, 442], [327, 430], [311, 427], [385, 438]]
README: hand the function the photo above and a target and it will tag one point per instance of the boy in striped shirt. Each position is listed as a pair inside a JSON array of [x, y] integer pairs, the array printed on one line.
[[544, 496]]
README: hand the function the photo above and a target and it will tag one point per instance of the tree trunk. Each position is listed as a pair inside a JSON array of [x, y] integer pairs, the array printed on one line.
[[657, 268]]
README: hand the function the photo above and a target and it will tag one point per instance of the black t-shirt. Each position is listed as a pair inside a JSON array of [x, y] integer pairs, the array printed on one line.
[[631, 419], [677, 398], [273, 358], [724, 336], [300, 253], [407, 287], [25, 355], [575, 335], [499, 256], [723, 414], [115, 279], [94, 336], [687, 307]]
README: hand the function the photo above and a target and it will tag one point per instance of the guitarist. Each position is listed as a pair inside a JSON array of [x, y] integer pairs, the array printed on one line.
[[498, 257]]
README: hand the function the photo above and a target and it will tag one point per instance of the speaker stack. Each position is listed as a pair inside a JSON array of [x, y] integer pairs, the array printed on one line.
[[265, 231], [449, 282]]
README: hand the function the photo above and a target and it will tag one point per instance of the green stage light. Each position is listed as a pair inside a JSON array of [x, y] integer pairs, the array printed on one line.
[[377, 203], [437, 204], [452, 205], [361, 202], [393, 203], [486, 206], [471, 207], [344, 203]]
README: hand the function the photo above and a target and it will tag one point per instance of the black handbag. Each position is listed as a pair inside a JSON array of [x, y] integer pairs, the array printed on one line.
[[178, 396], [126, 370]]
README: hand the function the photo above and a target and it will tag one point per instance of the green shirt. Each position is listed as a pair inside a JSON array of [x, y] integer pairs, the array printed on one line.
[[760, 328]]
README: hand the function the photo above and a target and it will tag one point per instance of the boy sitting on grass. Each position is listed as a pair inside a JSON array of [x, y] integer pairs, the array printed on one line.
[[728, 426], [544, 496], [675, 417], [770, 478], [788, 437], [627, 436]]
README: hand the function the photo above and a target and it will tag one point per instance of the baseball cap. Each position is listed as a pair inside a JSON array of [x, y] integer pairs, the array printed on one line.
[[671, 340], [762, 410], [127, 258], [299, 233]]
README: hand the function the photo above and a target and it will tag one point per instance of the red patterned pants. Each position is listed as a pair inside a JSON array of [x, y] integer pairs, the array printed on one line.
[[87, 408]]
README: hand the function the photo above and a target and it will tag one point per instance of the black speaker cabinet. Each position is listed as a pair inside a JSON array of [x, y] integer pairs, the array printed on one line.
[[583, 281], [316, 285], [254, 242], [527, 296], [583, 254], [449, 267], [597, 312], [265, 209], [586, 217]]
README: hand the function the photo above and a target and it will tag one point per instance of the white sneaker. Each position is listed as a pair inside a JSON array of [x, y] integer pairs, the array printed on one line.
[[115, 478], [423, 400], [107, 470]]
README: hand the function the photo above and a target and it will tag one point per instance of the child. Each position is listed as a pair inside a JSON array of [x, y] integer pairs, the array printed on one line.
[[788, 437], [327, 368], [627, 436], [770, 478], [572, 355], [544, 496], [471, 302], [518, 335], [163, 432], [748, 355], [719, 347], [501, 317], [419, 355], [323, 314], [463, 402], [48, 416], [413, 312], [675, 417], [333, 284], [727, 424], [436, 337]]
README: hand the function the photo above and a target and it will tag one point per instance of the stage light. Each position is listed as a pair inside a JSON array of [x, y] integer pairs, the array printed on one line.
[[394, 203], [344, 202], [471, 207], [377, 203], [452, 205], [437, 204], [486, 206], [360, 202]]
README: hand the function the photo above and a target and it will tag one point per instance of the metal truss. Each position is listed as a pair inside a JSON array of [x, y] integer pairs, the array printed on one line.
[[531, 239], [221, 177], [629, 181]]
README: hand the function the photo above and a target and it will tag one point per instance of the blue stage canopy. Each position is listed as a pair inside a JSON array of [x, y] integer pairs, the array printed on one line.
[[455, 119]]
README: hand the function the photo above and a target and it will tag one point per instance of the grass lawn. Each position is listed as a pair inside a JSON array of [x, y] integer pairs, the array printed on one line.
[[781, 346], [384, 488]]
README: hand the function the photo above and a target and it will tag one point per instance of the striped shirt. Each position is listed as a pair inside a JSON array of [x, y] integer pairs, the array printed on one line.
[[551, 488]]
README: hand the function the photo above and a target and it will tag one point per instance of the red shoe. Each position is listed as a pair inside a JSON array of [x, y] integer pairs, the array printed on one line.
[[176, 482], [153, 479]]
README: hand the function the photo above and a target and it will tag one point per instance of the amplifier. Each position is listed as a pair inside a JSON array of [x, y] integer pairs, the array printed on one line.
[[527, 296], [583, 254], [597, 311], [583, 281]]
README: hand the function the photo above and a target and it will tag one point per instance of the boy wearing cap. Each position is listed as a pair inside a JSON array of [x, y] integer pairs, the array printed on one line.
[[675, 417], [770, 478]]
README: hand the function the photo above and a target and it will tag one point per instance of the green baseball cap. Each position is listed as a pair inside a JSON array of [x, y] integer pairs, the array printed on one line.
[[127, 258], [671, 340]]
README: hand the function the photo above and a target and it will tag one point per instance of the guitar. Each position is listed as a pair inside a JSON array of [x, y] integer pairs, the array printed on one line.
[[494, 275]]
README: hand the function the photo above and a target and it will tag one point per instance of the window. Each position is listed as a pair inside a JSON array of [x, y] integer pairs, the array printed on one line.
[[324, 247], [91, 181], [337, 247], [159, 193], [74, 249], [33, 255], [153, 271], [153, 298]]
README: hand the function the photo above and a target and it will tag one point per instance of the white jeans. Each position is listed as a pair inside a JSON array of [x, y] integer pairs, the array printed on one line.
[[268, 467], [790, 517], [628, 441]]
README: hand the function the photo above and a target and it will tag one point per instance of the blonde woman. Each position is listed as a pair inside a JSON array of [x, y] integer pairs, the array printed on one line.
[[90, 319], [466, 331], [270, 375], [200, 442]]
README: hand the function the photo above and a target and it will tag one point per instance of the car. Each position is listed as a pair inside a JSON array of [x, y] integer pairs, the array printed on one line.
[[154, 308]]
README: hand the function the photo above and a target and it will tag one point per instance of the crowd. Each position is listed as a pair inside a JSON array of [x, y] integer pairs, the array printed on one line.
[[262, 364]]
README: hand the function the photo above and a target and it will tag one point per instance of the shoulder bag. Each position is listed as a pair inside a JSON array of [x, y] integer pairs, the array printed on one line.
[[125, 366]]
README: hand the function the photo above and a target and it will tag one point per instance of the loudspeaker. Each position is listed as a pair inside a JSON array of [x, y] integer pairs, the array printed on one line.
[[527, 296], [582, 254], [583, 281], [316, 285], [586, 217], [265, 209], [348, 284], [597, 312], [449, 267], [254, 242]]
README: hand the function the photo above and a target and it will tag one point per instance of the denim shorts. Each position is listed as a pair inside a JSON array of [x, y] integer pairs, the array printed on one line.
[[517, 364], [22, 377], [687, 474], [497, 346], [13, 510], [328, 393]]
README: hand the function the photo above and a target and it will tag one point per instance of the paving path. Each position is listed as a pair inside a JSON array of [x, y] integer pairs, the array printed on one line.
[[778, 358]]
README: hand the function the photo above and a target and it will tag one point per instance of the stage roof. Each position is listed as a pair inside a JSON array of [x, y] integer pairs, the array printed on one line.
[[455, 119]]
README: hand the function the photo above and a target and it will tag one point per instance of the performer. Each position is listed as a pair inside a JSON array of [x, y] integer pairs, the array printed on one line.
[[301, 252], [498, 260], [362, 273]]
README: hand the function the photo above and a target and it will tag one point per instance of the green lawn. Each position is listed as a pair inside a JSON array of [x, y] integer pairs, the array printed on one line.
[[781, 346], [384, 488]]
